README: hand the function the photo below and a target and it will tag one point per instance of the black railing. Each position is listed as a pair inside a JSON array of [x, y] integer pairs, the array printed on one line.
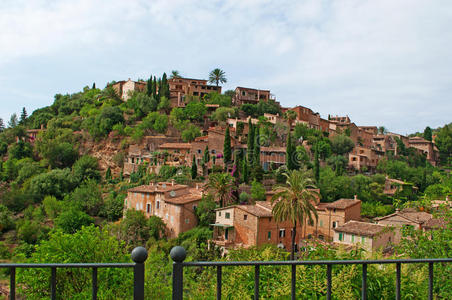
[[139, 256], [178, 254]]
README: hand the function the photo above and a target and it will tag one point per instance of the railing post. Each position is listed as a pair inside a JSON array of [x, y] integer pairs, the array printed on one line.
[[364, 283], [12, 284], [178, 255], [139, 256]]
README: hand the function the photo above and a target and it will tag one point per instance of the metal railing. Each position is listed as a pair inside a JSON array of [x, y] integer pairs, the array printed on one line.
[[139, 256], [178, 255]]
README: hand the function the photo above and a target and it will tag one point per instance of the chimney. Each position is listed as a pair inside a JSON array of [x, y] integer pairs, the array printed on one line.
[[197, 187], [355, 197], [397, 210], [172, 182]]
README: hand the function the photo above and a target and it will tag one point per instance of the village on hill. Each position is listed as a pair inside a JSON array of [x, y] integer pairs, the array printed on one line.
[[247, 135]]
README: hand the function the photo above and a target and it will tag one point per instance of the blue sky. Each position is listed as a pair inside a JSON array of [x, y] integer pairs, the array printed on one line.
[[381, 62]]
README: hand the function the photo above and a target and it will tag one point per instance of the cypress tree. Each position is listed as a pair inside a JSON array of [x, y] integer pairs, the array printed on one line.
[[94, 86], [244, 171], [250, 141], [154, 88], [194, 168], [428, 133], [316, 164], [2, 125], [257, 148], [290, 152], [108, 174], [23, 115], [227, 147], [149, 86]]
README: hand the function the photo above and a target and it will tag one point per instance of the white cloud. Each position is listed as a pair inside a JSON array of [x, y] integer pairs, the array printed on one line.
[[378, 61]]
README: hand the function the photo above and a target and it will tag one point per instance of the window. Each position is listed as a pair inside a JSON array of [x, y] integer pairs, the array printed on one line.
[[245, 217], [137, 207], [309, 236], [172, 219], [213, 151], [269, 235], [148, 208], [363, 239], [353, 238], [194, 207], [228, 215], [187, 221], [321, 237], [199, 151], [158, 204], [341, 236], [219, 213], [321, 223], [335, 224], [282, 233]]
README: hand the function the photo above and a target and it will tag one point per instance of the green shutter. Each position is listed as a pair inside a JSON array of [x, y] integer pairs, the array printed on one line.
[[269, 235], [340, 236]]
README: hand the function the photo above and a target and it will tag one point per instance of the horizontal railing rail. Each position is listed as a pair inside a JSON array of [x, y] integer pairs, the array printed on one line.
[[178, 254], [139, 256]]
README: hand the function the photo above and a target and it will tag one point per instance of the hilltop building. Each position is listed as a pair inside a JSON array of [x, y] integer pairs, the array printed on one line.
[[182, 87], [125, 88]]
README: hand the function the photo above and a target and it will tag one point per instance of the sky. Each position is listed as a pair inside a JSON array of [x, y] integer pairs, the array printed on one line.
[[383, 63]]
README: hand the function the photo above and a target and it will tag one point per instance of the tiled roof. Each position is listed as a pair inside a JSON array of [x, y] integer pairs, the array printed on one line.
[[251, 89], [435, 223], [160, 187], [184, 199], [360, 228], [256, 210], [414, 216], [343, 203], [175, 146]]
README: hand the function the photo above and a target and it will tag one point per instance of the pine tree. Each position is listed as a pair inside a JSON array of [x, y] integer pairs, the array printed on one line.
[[227, 147], [194, 168], [290, 152], [23, 116], [428, 133], [94, 86], [250, 141], [12, 121], [2, 125]]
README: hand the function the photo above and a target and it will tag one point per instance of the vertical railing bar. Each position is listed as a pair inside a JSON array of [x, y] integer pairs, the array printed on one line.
[[53, 283], [12, 283], [430, 281], [219, 282], [94, 296], [328, 281], [178, 279], [398, 272], [256, 282], [294, 273], [364, 283]]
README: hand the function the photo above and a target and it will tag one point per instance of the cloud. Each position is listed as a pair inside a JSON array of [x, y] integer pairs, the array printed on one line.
[[380, 62]]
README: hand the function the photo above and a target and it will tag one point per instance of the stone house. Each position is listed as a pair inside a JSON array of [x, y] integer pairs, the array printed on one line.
[[124, 88], [404, 218], [179, 153], [182, 87], [427, 147], [245, 95], [361, 157], [369, 236], [174, 203]]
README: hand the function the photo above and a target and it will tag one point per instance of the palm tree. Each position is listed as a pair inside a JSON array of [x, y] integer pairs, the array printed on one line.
[[221, 185], [217, 76], [290, 116], [175, 74], [294, 202]]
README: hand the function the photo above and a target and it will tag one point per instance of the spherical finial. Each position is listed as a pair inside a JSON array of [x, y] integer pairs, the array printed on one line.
[[178, 254], [139, 254]]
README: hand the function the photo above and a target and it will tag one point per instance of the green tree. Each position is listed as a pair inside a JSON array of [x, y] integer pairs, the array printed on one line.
[[443, 141], [54, 183], [20, 150], [257, 191], [23, 116], [190, 133], [295, 201], [194, 168], [157, 228], [85, 168], [250, 141], [6, 221], [217, 76], [290, 116], [195, 110], [108, 174], [206, 211], [87, 197], [62, 155], [134, 228], [73, 219], [52, 206], [341, 144], [13, 122], [221, 186], [2, 125], [227, 151], [113, 206], [290, 153], [316, 163], [221, 114], [428, 133]]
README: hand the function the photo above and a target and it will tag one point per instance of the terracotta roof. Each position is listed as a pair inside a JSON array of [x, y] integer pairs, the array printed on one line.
[[251, 89], [321, 206], [417, 217], [435, 224], [274, 149], [265, 204], [202, 138], [360, 228], [184, 199], [160, 187], [256, 210], [343, 203], [175, 146], [418, 139]]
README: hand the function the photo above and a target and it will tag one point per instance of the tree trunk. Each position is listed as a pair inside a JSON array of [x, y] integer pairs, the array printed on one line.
[[294, 233]]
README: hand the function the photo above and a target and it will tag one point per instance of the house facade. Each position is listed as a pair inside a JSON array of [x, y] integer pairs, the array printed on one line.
[[174, 203], [124, 88], [182, 87]]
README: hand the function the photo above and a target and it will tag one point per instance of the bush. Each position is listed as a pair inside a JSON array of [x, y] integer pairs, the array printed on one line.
[[52, 206], [72, 220], [55, 183], [87, 197], [113, 207], [86, 168]]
